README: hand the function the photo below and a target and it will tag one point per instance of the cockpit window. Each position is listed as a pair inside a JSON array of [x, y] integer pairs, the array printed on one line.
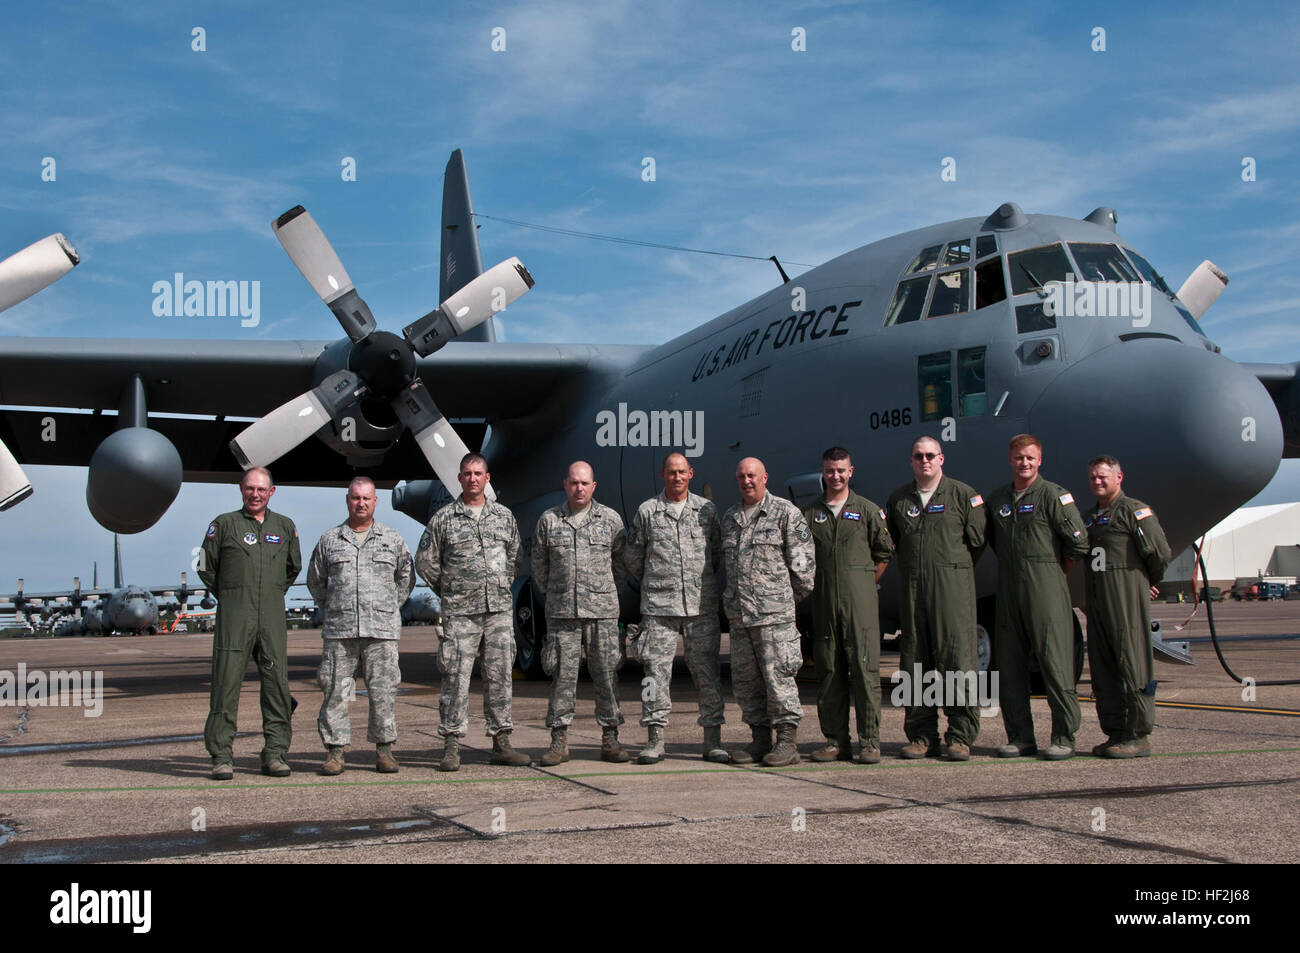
[[909, 300], [1100, 262], [1035, 267], [1148, 272], [1151, 275], [985, 245], [926, 259], [990, 286], [957, 253], [951, 293]]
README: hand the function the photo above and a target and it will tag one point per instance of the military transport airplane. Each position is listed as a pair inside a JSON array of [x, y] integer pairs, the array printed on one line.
[[125, 609], [972, 330]]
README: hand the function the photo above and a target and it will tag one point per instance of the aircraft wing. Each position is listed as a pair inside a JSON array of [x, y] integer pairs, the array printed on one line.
[[212, 381], [1280, 380]]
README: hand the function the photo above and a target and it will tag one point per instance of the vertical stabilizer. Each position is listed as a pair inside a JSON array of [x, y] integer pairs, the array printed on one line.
[[462, 261], [117, 562]]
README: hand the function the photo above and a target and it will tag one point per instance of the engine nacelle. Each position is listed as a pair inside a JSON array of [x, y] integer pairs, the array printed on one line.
[[134, 476]]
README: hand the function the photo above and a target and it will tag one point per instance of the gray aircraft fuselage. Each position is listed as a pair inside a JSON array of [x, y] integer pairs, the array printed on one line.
[[782, 380]]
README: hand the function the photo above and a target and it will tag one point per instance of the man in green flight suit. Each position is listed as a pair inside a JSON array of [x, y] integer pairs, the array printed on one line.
[[1035, 529], [938, 525], [249, 559], [852, 551], [1129, 555]]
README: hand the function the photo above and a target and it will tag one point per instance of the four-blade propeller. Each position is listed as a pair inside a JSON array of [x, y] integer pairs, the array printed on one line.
[[381, 364]]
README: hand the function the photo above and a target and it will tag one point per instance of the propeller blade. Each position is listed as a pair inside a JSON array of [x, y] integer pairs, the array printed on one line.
[[438, 440], [1202, 288], [311, 251], [490, 292], [24, 273], [14, 485], [291, 423]]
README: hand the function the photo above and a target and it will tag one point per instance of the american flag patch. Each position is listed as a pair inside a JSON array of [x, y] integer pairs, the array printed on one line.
[[977, 500], [1066, 498], [1142, 513]]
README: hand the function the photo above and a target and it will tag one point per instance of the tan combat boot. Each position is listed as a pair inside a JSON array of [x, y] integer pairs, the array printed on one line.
[[558, 753], [610, 749], [502, 753], [785, 753], [756, 749], [333, 762], [837, 749], [385, 763], [653, 752], [450, 754]]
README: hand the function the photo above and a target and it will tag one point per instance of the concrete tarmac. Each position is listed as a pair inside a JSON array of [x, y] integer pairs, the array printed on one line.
[[131, 785]]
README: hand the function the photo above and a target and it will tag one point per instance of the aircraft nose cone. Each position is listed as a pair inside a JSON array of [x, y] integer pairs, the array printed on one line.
[[1196, 434]]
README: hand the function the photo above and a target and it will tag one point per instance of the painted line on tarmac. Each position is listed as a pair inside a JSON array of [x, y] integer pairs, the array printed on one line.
[[539, 775]]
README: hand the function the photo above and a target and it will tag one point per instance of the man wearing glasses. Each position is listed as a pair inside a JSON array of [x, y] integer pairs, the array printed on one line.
[[938, 526]]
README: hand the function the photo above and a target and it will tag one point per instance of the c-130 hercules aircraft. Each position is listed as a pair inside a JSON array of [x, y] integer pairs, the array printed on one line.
[[971, 331]]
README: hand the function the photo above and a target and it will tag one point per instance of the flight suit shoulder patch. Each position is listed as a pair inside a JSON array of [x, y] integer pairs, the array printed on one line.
[[1066, 498], [977, 500], [212, 530], [1142, 513]]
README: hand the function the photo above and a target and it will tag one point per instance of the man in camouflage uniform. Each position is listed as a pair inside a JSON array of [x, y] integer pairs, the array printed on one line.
[[853, 550], [768, 553], [938, 525], [579, 569], [1035, 529], [249, 559], [674, 547], [1129, 555], [469, 556], [359, 575]]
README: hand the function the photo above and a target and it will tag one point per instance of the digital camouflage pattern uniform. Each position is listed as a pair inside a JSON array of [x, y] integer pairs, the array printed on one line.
[[938, 544], [1032, 537], [675, 558], [846, 615], [249, 565], [770, 566], [471, 563], [360, 587], [578, 566], [1128, 555]]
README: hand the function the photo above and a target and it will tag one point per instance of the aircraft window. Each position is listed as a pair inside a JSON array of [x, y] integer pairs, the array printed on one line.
[[985, 245], [934, 378], [1098, 262], [951, 293], [925, 259], [972, 394], [1152, 276], [990, 285], [1148, 272], [909, 301], [1034, 268], [957, 253], [1030, 317]]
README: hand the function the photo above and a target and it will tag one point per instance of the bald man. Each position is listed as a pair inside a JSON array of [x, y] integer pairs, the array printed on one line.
[[578, 568], [767, 549]]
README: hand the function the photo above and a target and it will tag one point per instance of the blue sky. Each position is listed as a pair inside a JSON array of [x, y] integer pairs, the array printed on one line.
[[170, 159]]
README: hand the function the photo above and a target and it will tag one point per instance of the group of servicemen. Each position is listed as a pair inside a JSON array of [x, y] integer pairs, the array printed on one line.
[[771, 554]]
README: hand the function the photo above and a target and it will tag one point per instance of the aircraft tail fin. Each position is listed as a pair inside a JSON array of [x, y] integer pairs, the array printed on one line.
[[117, 561], [461, 261]]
